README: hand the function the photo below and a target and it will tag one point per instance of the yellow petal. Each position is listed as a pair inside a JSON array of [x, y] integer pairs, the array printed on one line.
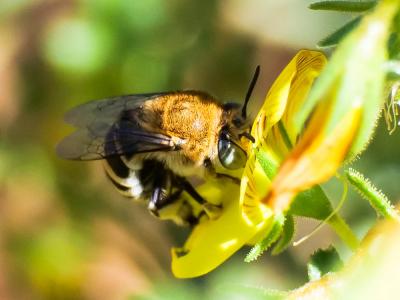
[[255, 184], [213, 241], [309, 66], [287, 93], [283, 100]]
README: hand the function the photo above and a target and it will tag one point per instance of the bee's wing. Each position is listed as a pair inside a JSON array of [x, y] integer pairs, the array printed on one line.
[[101, 133], [105, 110]]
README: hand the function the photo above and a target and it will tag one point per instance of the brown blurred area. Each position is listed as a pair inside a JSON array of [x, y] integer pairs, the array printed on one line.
[[65, 233]]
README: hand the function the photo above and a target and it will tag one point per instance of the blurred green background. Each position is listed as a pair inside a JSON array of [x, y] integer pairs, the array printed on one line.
[[65, 233]]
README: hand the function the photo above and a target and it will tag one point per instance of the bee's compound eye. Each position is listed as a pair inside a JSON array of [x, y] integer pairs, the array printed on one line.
[[231, 155]]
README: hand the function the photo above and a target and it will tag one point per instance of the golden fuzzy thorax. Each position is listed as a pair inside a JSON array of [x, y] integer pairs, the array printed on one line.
[[193, 120]]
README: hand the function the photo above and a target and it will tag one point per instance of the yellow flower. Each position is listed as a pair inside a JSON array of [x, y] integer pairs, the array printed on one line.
[[213, 241], [338, 117], [302, 137]]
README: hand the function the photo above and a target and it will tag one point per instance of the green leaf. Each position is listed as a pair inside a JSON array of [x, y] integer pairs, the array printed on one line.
[[323, 262], [273, 235], [286, 236], [344, 6], [312, 203], [334, 38]]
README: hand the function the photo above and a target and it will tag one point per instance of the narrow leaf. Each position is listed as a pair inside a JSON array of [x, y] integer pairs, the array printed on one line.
[[334, 38], [344, 6]]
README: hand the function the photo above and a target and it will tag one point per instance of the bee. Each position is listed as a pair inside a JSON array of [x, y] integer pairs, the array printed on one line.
[[152, 143]]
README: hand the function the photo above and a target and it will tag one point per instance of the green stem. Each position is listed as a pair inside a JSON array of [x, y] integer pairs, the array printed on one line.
[[344, 232]]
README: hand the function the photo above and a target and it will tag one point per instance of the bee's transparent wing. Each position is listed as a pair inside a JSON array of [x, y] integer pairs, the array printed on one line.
[[105, 110], [101, 133]]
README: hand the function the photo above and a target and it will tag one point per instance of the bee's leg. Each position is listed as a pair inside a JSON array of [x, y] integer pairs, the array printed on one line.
[[165, 196], [162, 194], [211, 170], [159, 200], [212, 211], [188, 187]]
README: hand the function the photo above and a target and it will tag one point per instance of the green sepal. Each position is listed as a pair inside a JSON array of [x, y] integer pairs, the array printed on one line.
[[394, 44], [355, 77], [343, 6], [323, 261], [334, 38], [375, 197], [286, 236], [273, 234], [269, 166], [392, 68], [242, 291], [312, 203]]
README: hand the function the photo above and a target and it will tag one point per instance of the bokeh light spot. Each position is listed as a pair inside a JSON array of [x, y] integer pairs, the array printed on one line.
[[75, 45]]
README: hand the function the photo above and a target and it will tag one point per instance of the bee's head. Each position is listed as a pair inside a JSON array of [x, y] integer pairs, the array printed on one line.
[[230, 153]]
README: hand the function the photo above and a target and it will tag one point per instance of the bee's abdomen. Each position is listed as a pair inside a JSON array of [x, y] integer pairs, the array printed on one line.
[[126, 180], [153, 184]]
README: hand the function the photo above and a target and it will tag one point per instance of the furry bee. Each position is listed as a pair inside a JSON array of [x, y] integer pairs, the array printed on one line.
[[151, 144]]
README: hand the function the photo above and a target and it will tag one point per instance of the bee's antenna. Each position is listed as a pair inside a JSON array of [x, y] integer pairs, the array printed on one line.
[[249, 91]]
